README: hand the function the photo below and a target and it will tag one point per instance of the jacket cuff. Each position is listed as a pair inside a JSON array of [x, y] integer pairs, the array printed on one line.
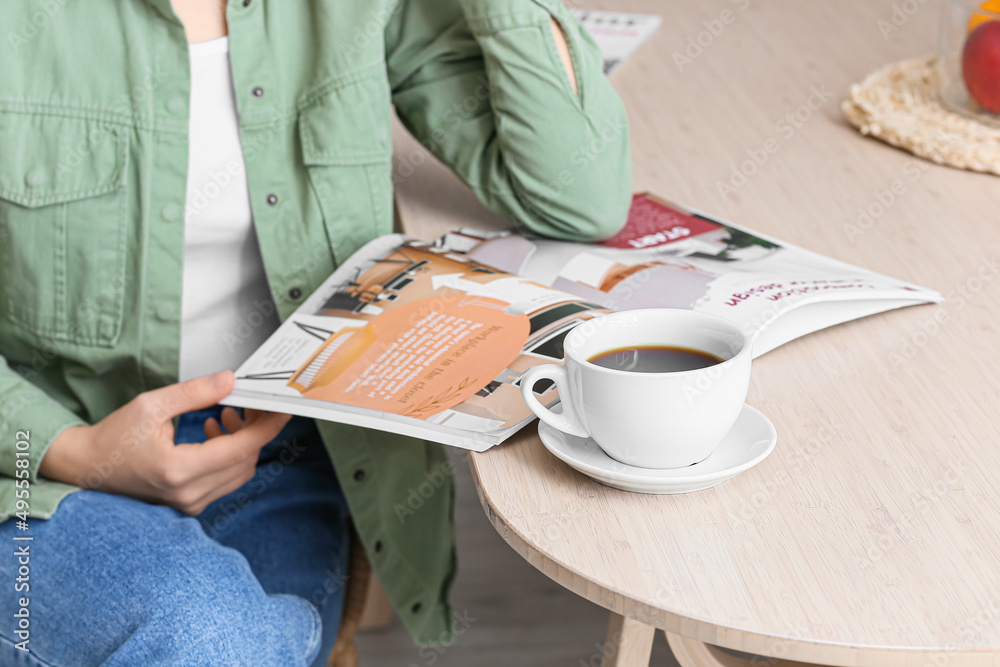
[[29, 421]]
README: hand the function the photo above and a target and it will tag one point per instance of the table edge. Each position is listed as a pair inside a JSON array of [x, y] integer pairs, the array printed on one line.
[[737, 639]]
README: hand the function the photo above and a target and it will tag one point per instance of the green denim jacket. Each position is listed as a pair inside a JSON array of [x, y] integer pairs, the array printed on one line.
[[93, 168]]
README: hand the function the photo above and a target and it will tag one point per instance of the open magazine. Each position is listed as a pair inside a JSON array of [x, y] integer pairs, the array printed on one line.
[[431, 339]]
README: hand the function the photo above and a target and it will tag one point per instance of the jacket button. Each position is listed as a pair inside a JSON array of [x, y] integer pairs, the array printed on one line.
[[246, 3], [175, 105], [378, 546], [258, 92], [359, 475], [416, 607], [35, 177], [293, 294], [271, 199], [171, 212]]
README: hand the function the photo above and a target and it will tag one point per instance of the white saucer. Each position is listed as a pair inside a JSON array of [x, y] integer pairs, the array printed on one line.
[[746, 445]]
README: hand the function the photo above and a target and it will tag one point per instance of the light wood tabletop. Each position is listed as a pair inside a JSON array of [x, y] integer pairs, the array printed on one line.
[[871, 536]]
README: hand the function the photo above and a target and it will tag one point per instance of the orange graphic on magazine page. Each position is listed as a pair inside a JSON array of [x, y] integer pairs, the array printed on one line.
[[418, 359]]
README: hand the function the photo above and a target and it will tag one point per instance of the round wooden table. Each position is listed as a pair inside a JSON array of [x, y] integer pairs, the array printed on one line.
[[871, 535]]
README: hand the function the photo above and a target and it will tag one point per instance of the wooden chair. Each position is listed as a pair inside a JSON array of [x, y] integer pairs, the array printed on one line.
[[366, 607]]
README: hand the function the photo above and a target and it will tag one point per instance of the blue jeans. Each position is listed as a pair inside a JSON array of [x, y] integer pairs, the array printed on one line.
[[257, 579]]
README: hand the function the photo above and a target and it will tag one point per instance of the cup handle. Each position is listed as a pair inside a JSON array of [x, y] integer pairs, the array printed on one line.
[[567, 422]]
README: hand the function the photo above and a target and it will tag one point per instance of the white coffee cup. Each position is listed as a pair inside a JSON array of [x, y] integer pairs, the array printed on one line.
[[651, 420]]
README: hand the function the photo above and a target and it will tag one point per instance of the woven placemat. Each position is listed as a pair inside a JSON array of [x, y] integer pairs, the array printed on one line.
[[899, 105]]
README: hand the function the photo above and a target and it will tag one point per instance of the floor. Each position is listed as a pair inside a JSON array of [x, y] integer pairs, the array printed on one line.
[[514, 615]]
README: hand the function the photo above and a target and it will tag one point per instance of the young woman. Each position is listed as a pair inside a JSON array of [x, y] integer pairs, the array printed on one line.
[[174, 179]]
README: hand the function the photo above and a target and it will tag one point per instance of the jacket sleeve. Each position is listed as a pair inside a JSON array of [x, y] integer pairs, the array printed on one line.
[[481, 85], [27, 415]]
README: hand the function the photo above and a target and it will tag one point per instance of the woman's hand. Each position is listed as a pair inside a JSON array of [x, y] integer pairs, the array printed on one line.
[[131, 452]]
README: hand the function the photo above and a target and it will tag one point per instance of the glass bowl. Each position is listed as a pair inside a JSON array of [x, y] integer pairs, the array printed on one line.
[[969, 59]]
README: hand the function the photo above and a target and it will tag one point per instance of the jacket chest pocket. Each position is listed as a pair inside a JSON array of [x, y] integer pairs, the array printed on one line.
[[62, 227], [347, 149]]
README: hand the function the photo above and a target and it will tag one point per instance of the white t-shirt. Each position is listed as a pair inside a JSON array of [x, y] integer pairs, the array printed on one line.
[[227, 310]]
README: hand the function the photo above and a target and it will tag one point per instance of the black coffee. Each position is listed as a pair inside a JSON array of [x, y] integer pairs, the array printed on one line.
[[655, 359]]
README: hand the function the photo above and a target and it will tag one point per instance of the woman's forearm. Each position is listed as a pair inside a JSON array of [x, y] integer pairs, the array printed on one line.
[[549, 152]]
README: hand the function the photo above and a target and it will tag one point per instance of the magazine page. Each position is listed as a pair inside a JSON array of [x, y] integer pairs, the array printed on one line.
[[669, 256], [617, 35], [415, 339]]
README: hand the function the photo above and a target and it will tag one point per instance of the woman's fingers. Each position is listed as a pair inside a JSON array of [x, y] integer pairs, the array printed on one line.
[[210, 488], [196, 394], [226, 451], [213, 429], [231, 420], [195, 475]]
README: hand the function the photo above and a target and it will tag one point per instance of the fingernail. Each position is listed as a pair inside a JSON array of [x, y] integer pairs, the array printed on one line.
[[219, 380]]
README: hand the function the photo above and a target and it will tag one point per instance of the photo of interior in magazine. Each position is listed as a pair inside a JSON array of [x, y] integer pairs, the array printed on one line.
[[422, 333]]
